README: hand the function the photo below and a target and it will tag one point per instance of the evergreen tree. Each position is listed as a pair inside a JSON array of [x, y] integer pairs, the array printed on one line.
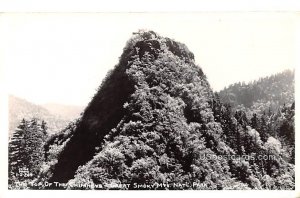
[[17, 156], [26, 151], [254, 122], [263, 130]]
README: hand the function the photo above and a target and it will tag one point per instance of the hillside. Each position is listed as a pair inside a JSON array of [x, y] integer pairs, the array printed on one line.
[[272, 91], [155, 123], [20, 108]]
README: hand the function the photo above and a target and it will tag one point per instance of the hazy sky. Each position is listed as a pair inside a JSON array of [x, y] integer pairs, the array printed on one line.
[[63, 58]]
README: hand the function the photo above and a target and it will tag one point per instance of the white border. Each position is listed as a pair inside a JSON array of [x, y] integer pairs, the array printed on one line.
[[147, 5], [141, 6]]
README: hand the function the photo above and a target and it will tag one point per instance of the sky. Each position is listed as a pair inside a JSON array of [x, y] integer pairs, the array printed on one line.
[[63, 57]]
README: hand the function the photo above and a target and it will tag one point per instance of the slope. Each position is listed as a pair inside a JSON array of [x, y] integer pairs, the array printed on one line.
[[272, 91], [20, 108]]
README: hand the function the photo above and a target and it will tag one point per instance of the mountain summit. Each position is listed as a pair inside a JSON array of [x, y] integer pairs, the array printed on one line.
[[155, 78], [155, 120]]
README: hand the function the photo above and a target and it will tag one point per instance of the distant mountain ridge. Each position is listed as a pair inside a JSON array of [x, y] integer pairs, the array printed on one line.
[[56, 119], [272, 91]]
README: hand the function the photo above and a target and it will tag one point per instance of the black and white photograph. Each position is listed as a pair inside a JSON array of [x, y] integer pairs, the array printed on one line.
[[150, 101]]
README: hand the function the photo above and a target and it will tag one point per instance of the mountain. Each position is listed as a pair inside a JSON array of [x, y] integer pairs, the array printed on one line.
[[269, 92], [55, 119], [155, 123]]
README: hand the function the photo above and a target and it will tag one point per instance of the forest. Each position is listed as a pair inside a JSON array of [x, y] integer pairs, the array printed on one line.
[[155, 124]]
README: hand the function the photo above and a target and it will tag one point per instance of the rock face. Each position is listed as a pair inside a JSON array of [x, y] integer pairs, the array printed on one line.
[[106, 110], [101, 115]]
